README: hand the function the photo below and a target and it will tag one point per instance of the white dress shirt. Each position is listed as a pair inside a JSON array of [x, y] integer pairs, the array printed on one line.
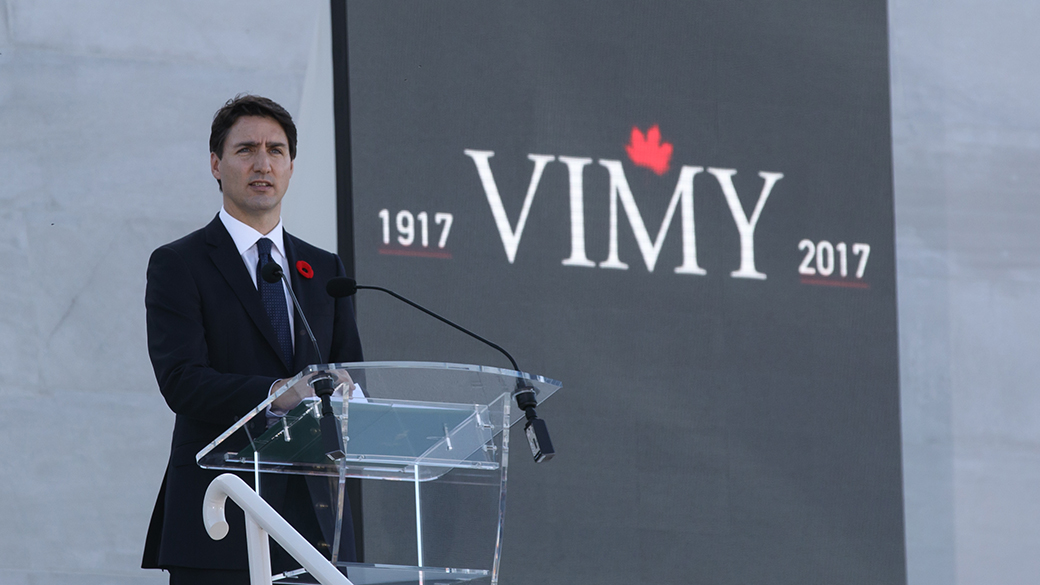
[[245, 238]]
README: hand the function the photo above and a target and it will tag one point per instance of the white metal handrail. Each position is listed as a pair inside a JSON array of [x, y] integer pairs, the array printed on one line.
[[261, 520]]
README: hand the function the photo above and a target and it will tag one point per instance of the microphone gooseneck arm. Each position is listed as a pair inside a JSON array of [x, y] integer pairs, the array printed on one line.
[[526, 398], [323, 384], [446, 321], [272, 272]]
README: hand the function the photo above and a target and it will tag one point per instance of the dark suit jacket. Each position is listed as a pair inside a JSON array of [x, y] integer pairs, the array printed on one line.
[[215, 357]]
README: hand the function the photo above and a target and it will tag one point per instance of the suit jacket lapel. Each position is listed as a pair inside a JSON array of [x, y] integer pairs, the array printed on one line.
[[304, 290], [225, 256]]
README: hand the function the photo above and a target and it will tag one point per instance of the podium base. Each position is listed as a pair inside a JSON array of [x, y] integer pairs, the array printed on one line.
[[372, 574]]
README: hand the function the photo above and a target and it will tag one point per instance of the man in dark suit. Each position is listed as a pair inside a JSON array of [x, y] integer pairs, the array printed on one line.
[[221, 339]]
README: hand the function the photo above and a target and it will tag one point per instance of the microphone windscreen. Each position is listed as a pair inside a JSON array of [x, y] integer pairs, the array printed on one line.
[[341, 286], [271, 272]]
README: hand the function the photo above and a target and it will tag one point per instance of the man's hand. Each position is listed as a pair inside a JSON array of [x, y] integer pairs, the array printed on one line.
[[302, 389], [344, 385], [291, 397]]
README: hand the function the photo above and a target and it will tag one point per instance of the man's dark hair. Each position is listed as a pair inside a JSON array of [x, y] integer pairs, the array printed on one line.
[[249, 105]]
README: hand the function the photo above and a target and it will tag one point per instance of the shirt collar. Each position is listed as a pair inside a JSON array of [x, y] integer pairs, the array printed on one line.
[[245, 236]]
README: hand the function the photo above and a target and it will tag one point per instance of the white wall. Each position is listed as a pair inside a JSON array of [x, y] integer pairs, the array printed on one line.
[[966, 133], [105, 109]]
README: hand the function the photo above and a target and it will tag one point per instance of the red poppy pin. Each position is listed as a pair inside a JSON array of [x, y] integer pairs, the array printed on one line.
[[304, 269]]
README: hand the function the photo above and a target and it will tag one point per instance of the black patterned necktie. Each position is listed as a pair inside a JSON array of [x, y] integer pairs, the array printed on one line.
[[273, 298]]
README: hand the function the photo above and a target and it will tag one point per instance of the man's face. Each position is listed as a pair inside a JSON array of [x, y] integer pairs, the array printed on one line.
[[254, 170]]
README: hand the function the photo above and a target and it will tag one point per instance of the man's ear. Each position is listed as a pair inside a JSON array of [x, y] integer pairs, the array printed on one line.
[[214, 165]]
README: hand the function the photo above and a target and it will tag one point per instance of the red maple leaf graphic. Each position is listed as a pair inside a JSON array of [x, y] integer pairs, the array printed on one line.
[[648, 151]]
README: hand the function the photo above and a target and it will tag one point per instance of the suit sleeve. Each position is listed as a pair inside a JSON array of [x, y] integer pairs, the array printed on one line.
[[346, 342], [179, 353]]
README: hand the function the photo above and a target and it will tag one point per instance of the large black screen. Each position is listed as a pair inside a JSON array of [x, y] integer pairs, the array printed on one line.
[[683, 211]]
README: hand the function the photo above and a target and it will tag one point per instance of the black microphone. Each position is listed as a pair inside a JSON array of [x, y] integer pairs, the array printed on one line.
[[323, 385], [536, 429]]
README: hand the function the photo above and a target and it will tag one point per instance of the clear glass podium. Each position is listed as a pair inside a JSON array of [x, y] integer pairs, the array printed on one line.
[[436, 437]]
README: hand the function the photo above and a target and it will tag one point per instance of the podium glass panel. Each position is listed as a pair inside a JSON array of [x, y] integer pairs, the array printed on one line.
[[433, 434]]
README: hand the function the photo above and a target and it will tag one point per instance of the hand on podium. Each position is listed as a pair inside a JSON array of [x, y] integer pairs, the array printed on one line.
[[293, 395]]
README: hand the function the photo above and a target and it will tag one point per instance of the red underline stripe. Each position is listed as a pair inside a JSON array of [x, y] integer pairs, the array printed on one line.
[[844, 283], [415, 252]]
